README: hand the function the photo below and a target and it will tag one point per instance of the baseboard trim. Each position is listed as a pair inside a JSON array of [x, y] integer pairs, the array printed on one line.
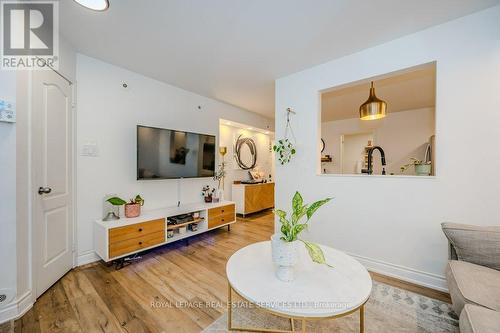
[[87, 258], [425, 279], [17, 308]]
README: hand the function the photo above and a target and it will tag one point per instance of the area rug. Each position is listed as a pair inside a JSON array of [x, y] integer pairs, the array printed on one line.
[[389, 309]]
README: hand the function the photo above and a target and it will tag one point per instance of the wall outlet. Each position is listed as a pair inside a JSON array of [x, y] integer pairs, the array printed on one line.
[[7, 112]]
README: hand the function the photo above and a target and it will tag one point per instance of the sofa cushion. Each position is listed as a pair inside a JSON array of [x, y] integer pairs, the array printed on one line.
[[473, 284], [476, 319], [476, 244]]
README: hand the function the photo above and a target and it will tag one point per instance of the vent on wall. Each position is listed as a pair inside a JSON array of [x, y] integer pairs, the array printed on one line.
[[6, 296]]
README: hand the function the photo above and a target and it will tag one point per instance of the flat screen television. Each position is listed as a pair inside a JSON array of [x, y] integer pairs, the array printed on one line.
[[167, 154]]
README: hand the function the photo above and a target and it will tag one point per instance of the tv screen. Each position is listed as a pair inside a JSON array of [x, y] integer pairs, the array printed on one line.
[[165, 154]]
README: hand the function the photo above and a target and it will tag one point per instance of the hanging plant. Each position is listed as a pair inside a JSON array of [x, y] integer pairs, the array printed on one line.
[[285, 148]]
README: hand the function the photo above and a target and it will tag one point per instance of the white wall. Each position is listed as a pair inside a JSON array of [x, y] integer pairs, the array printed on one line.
[[265, 160], [8, 194], [401, 134], [393, 223], [108, 114]]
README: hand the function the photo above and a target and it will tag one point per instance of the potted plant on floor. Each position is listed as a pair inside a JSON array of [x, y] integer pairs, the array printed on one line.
[[421, 168], [285, 245]]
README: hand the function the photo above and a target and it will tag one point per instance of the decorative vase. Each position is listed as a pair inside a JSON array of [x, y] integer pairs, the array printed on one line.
[[208, 198], [285, 256], [220, 194], [422, 169], [132, 210]]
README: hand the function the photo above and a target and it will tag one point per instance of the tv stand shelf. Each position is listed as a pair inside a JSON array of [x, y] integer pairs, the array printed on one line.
[[127, 236], [185, 224]]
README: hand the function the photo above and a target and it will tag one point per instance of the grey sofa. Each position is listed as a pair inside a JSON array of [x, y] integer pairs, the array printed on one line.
[[473, 275]]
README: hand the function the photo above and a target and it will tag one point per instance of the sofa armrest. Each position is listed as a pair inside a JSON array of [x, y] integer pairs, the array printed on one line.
[[475, 244]]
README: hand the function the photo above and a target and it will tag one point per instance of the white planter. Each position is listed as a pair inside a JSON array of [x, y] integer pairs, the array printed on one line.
[[285, 256], [422, 169]]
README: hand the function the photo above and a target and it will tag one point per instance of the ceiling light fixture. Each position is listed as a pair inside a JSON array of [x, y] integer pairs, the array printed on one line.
[[373, 108], [98, 5]]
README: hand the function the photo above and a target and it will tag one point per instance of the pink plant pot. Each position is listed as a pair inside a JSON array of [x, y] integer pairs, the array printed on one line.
[[132, 210]]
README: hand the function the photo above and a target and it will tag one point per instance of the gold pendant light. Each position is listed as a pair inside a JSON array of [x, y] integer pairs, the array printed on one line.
[[373, 108]]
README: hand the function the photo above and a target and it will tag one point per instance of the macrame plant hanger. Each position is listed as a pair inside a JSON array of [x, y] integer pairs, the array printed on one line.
[[288, 127]]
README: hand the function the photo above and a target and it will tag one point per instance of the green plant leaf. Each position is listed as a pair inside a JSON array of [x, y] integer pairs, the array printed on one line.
[[139, 200], [285, 230], [281, 214], [115, 201], [314, 207], [297, 203], [298, 228], [315, 253]]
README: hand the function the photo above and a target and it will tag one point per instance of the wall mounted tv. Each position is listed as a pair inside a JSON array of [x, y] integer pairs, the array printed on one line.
[[166, 154]]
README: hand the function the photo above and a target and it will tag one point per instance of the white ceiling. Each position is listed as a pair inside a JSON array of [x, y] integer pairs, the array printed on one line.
[[406, 90], [233, 50]]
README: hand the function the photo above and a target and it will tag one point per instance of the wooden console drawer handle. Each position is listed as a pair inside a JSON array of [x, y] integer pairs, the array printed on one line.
[[140, 243], [223, 210], [222, 220], [140, 229]]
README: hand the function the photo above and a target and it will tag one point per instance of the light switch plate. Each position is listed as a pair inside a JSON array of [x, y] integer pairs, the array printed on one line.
[[7, 111], [90, 149]]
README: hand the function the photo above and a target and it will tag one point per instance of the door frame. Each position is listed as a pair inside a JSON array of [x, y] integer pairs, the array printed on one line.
[[34, 187]]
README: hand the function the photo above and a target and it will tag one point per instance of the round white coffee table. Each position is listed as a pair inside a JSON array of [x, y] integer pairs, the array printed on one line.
[[318, 291]]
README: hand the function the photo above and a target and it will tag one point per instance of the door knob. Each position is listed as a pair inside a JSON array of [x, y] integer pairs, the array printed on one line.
[[44, 190]]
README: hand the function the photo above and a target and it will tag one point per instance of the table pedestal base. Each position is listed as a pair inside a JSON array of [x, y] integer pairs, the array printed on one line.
[[230, 326]]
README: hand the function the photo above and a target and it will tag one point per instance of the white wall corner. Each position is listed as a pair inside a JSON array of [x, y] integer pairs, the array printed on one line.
[[86, 258], [17, 308]]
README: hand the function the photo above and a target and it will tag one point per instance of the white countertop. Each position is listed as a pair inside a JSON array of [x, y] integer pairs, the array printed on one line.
[[318, 291], [162, 213]]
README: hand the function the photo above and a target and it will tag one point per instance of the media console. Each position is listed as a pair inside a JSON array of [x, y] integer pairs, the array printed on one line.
[[126, 236]]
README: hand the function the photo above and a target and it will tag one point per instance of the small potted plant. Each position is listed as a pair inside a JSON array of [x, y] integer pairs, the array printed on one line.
[[421, 168], [133, 208], [285, 150], [207, 193], [285, 245]]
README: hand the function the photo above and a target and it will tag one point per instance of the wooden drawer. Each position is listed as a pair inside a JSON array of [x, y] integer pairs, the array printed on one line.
[[135, 230], [222, 210], [218, 220], [259, 197], [136, 244]]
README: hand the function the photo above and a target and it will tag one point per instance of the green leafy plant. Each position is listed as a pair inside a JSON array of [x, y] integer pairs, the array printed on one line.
[[292, 226], [116, 201], [414, 161], [285, 150], [138, 200]]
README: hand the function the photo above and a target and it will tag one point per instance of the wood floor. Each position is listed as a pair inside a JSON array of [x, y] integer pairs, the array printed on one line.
[[176, 288]]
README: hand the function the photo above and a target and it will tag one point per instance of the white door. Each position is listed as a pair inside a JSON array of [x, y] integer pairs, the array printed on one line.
[[52, 158]]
